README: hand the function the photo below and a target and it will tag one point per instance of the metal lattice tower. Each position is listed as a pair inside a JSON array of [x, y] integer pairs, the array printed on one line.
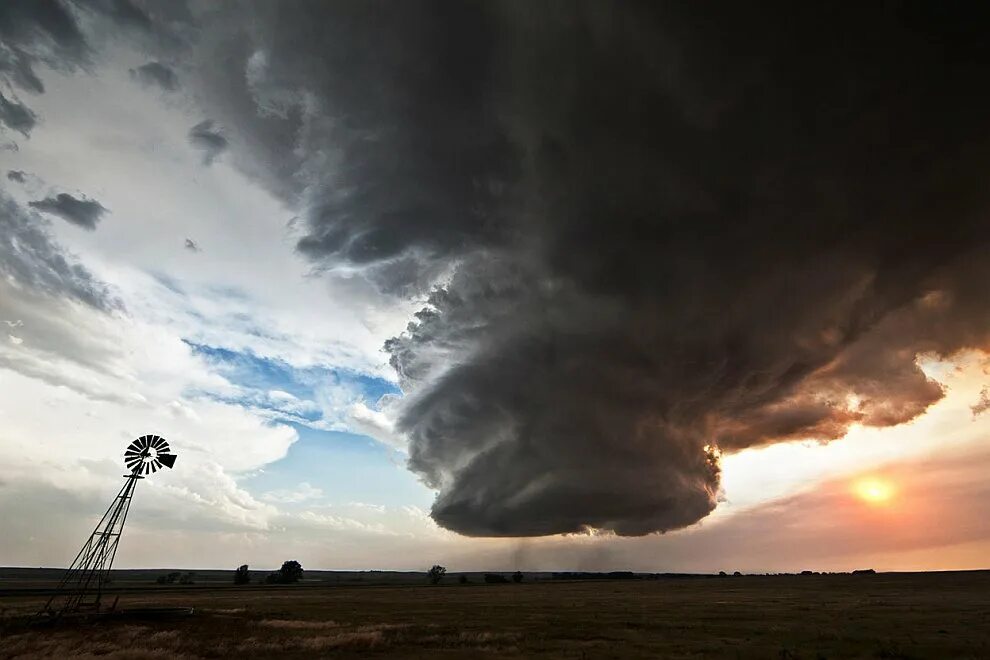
[[82, 586]]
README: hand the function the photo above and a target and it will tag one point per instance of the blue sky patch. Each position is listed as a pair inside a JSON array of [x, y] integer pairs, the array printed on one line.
[[316, 396]]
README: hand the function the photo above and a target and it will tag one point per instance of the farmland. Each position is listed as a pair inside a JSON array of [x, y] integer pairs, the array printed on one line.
[[894, 615]]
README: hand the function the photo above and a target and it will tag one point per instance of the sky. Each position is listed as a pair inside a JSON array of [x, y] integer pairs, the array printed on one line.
[[500, 285]]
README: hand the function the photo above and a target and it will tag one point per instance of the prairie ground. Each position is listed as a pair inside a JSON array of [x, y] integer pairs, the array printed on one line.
[[935, 615]]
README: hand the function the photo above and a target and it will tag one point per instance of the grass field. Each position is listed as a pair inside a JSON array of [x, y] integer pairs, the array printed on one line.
[[933, 615]]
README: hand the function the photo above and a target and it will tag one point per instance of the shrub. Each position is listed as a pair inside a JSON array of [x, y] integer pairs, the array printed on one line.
[[242, 575], [463, 579], [517, 577], [436, 573], [495, 578]]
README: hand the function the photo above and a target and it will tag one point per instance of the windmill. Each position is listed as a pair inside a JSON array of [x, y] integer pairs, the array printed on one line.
[[82, 586]]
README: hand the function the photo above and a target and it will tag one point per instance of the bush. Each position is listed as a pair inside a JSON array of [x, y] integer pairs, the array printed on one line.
[[187, 578], [463, 579], [242, 575], [517, 577], [436, 573], [495, 578]]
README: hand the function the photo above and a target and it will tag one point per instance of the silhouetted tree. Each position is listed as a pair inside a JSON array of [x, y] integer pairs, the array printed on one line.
[[291, 571], [517, 577], [436, 573], [242, 575], [463, 579]]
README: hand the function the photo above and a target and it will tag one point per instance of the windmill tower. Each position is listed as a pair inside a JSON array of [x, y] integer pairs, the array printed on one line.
[[82, 586]]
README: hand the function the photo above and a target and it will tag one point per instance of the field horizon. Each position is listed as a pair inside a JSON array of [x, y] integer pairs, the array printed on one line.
[[880, 615]]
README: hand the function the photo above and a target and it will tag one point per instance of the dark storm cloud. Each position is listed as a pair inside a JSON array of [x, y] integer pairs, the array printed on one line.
[[82, 212], [31, 259], [156, 73], [42, 32], [16, 175], [16, 116], [661, 228], [209, 140]]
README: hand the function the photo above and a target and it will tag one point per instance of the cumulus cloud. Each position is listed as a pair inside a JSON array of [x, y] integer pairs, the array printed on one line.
[[156, 74], [82, 212], [657, 232], [208, 139]]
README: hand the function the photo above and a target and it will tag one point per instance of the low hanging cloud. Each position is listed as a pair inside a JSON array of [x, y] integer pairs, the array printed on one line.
[[655, 232], [208, 139], [82, 212], [17, 176], [155, 74]]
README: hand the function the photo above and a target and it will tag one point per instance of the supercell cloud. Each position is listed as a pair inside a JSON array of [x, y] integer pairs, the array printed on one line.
[[648, 232]]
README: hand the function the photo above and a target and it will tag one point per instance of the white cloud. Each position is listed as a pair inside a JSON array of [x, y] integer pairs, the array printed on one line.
[[302, 493]]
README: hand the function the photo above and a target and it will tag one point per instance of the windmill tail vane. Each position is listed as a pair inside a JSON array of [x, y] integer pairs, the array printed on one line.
[[81, 588]]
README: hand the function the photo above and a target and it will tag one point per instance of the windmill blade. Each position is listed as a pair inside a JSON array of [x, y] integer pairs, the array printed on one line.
[[154, 466], [159, 443], [167, 459]]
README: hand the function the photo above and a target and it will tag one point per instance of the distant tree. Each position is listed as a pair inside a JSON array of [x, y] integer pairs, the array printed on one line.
[[291, 571], [436, 573], [463, 579], [737, 574], [495, 578], [517, 577], [187, 578], [242, 575], [168, 578], [721, 573]]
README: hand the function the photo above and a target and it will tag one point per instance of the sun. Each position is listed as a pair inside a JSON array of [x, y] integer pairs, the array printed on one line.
[[874, 490]]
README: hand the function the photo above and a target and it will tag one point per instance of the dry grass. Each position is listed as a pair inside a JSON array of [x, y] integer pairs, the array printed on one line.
[[883, 616], [293, 624]]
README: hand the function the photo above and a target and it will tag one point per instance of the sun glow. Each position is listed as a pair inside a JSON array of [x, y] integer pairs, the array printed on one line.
[[874, 490]]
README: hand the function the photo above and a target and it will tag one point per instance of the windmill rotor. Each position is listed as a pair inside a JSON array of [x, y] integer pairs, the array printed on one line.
[[148, 454]]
